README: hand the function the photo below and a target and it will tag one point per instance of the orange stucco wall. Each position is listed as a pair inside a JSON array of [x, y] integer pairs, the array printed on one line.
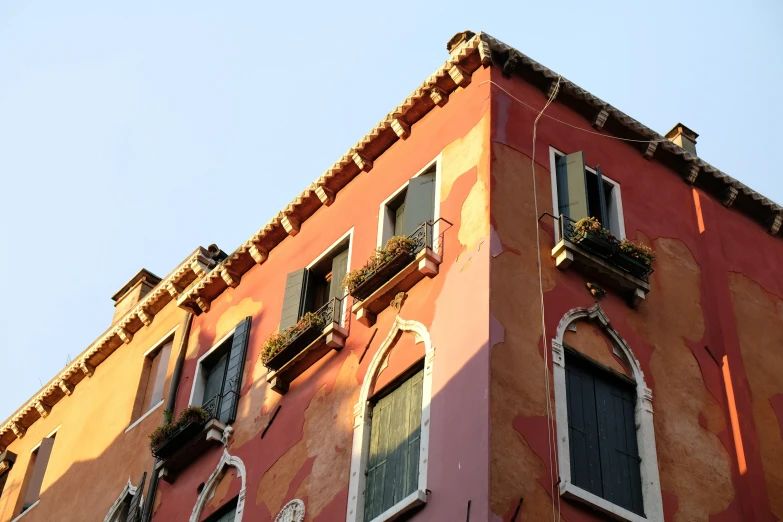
[[306, 452], [712, 318], [93, 457]]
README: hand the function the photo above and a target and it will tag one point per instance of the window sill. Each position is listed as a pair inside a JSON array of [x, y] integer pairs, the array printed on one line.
[[567, 253], [138, 421], [415, 499], [332, 338], [573, 492], [426, 263], [211, 434], [26, 511]]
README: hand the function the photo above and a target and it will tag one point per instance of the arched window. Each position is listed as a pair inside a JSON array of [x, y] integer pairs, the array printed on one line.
[[237, 505], [128, 505], [385, 483], [605, 433]]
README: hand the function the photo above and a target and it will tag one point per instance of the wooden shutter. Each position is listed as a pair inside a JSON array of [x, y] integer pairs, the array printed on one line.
[[134, 513], [42, 455], [339, 269], [395, 433], [583, 429], [572, 186], [236, 365], [419, 202], [293, 299]]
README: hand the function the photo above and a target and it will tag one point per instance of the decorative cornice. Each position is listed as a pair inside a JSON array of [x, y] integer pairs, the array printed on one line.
[[62, 385]]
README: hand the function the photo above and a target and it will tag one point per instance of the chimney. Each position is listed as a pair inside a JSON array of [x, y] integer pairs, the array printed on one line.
[[684, 137], [458, 40], [133, 291]]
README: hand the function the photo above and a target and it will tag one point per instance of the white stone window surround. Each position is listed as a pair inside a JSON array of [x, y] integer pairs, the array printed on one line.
[[197, 390], [208, 491], [386, 219], [330, 251], [616, 217], [362, 423], [116, 508], [643, 413]]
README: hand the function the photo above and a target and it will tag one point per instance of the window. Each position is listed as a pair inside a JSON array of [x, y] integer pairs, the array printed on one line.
[[225, 514], [576, 194], [218, 378], [602, 433], [39, 461], [410, 206], [395, 436], [7, 459], [311, 288], [153, 378]]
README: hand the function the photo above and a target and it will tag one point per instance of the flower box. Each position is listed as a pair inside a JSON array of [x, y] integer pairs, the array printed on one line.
[[296, 345], [598, 245], [178, 438], [381, 275], [631, 265]]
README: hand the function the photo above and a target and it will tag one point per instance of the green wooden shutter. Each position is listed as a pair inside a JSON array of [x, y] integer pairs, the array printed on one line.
[[134, 513], [419, 202], [236, 365], [572, 186], [583, 429], [293, 299], [339, 269], [395, 433]]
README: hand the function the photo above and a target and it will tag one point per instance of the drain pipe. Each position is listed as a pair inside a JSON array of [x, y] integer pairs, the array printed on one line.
[[170, 405]]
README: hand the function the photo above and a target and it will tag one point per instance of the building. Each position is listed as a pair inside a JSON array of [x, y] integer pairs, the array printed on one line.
[[509, 360]]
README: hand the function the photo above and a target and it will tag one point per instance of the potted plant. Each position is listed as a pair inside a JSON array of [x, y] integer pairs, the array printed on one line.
[[385, 262], [634, 258], [281, 347], [591, 235], [169, 437]]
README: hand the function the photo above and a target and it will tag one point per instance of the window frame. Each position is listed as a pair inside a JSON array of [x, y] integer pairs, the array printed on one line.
[[128, 492], [616, 216], [199, 382], [29, 472], [652, 500], [329, 251], [386, 219], [170, 335]]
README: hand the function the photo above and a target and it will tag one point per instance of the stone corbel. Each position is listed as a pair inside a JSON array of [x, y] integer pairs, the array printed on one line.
[[125, 335], [197, 268], [693, 173], [777, 221], [65, 386], [485, 53], [18, 429], [439, 96], [325, 195], [291, 225], [43, 409], [230, 277], [203, 304], [402, 129], [363, 162], [600, 119], [511, 63], [729, 196], [460, 76], [86, 368], [173, 290], [258, 254], [651, 147], [145, 316]]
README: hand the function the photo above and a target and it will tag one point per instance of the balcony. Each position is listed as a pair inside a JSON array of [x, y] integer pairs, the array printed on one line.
[[601, 256], [383, 280], [289, 353]]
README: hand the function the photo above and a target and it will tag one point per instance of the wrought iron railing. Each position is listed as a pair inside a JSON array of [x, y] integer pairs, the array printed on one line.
[[212, 406], [422, 237]]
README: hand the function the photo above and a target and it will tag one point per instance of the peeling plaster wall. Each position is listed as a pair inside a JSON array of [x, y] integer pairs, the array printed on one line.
[[93, 457], [714, 305], [306, 452]]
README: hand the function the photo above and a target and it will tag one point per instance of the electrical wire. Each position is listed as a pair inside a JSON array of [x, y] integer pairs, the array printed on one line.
[[566, 123], [551, 437]]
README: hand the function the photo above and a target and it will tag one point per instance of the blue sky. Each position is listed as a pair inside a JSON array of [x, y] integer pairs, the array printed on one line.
[[130, 134]]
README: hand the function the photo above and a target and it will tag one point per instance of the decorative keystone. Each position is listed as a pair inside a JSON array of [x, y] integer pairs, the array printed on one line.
[[173, 290], [485, 53], [325, 195], [600, 119], [648, 154], [363, 162], [43, 409], [18, 429], [145, 316], [439, 96], [460, 76], [777, 221], [203, 304], [291, 225], [231, 278], [692, 174], [65, 386], [86, 368], [511, 63], [125, 335], [402, 129], [258, 254], [729, 196]]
